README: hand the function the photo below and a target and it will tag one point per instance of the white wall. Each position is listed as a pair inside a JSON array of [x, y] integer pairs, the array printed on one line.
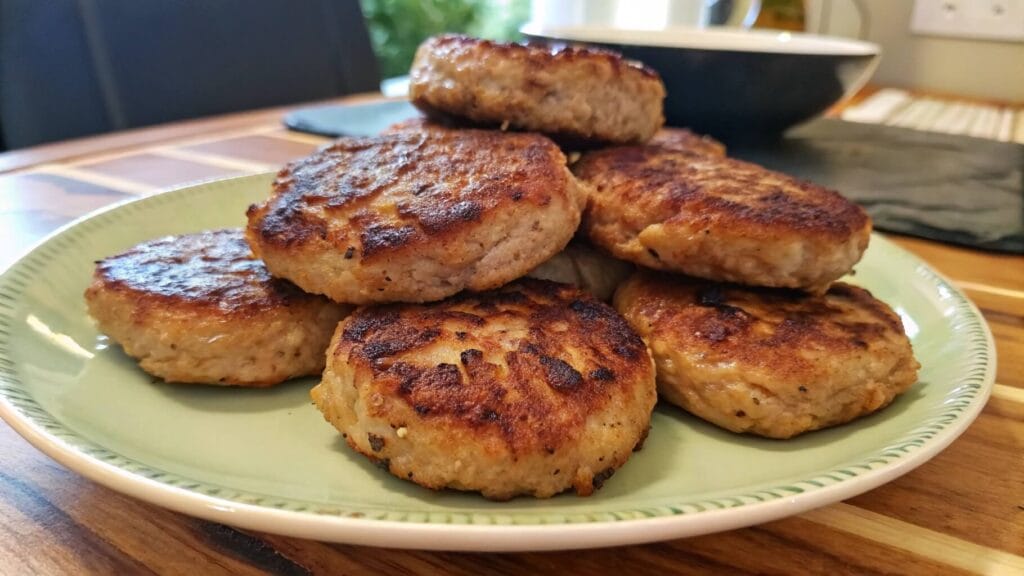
[[983, 69]]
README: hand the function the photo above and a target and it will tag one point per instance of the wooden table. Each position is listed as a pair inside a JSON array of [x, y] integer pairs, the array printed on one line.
[[961, 512]]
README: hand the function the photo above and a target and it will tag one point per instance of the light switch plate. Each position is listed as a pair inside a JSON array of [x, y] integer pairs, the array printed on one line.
[[979, 19]]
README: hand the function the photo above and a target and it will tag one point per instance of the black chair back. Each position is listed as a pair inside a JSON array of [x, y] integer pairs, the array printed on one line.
[[71, 68]]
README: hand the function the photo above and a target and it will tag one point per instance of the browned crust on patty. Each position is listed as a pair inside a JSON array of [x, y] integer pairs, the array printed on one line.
[[539, 54], [425, 123], [577, 95], [687, 141], [199, 308], [536, 359], [772, 362], [761, 326], [210, 272], [416, 216], [656, 183], [405, 189], [719, 218]]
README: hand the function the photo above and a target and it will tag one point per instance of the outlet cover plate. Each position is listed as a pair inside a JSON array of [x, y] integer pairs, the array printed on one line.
[[978, 19]]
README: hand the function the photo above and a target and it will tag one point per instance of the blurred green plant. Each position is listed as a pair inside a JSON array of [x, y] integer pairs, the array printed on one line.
[[398, 26]]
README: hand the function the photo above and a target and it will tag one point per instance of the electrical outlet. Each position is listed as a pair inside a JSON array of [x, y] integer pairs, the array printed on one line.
[[981, 19]]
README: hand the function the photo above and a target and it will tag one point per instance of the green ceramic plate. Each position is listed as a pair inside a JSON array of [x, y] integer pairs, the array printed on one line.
[[266, 460]]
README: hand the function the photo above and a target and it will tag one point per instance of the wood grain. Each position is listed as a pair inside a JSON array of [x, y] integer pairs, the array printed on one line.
[[1009, 333], [1003, 271], [159, 171], [110, 531], [227, 162], [1008, 393], [972, 490], [962, 512], [265, 149], [921, 541], [791, 546], [61, 508], [33, 205], [72, 150]]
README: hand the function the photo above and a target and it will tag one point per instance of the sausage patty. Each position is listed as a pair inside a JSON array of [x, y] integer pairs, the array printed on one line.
[[771, 362], [687, 141], [719, 218], [199, 308], [416, 216], [581, 95], [533, 388]]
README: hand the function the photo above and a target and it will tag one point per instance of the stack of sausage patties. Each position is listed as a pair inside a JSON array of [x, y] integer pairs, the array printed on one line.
[[454, 369]]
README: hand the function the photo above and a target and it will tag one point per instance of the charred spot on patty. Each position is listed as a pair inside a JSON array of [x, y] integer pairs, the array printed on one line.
[[379, 237], [601, 477], [560, 374], [376, 442]]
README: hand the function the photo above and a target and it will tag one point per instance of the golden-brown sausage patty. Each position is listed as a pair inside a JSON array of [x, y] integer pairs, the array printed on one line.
[[766, 361], [199, 308], [533, 388], [424, 124], [574, 94], [719, 218], [684, 140], [417, 216]]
